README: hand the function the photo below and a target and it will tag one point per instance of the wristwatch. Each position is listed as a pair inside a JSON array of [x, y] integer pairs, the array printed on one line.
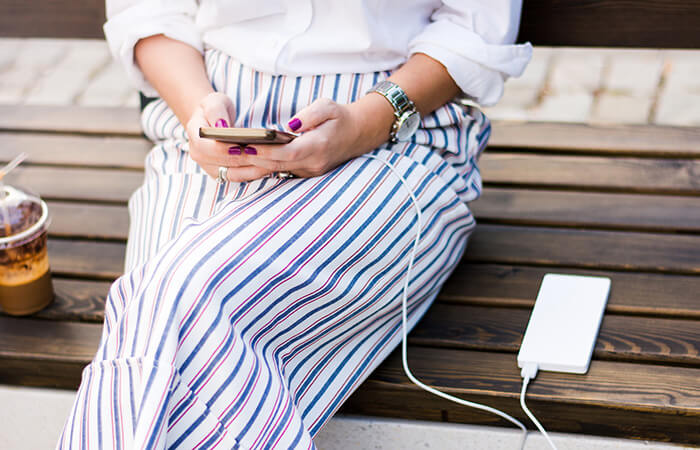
[[407, 119]]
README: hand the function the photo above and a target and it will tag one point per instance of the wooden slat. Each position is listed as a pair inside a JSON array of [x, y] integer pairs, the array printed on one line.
[[88, 221], [71, 119], [86, 259], [633, 140], [585, 249], [568, 172], [642, 23], [516, 286], [72, 150], [615, 399], [489, 285], [588, 209], [679, 176], [52, 183], [611, 23], [506, 206], [621, 338], [45, 353], [47, 340], [490, 243], [77, 300], [55, 18]]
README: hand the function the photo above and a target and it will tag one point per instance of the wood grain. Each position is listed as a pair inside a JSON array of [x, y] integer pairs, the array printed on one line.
[[611, 140], [497, 205], [646, 294], [88, 221], [72, 150], [34, 339], [96, 185], [77, 301], [86, 259], [488, 285], [641, 23], [585, 249], [379, 398], [611, 23], [631, 140], [621, 338], [644, 175], [119, 121], [52, 18], [588, 209]]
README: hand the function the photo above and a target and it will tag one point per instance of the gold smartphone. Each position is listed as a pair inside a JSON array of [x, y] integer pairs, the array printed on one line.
[[244, 136]]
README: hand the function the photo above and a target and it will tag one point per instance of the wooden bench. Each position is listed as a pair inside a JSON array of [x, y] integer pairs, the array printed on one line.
[[623, 202]]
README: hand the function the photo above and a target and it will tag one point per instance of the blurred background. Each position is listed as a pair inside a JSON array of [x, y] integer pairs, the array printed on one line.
[[562, 84]]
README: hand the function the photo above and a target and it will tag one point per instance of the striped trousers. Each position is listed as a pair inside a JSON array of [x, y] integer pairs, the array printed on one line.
[[248, 312]]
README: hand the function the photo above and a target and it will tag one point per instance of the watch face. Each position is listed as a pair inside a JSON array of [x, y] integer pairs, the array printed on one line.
[[408, 124]]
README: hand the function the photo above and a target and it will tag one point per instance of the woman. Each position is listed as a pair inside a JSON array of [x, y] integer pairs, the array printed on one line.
[[263, 283]]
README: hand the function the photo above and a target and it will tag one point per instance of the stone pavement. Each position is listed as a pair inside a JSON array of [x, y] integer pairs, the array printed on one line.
[[584, 85]]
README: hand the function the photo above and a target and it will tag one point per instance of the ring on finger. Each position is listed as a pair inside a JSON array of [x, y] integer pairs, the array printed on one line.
[[222, 175], [285, 175]]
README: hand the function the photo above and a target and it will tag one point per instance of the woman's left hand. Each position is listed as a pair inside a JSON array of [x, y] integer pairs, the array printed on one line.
[[331, 135]]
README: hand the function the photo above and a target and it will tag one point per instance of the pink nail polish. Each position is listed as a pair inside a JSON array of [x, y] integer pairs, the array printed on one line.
[[251, 150], [234, 150], [221, 123], [294, 124]]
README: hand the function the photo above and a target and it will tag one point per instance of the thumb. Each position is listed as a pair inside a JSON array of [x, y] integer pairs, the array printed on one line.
[[314, 115], [218, 110]]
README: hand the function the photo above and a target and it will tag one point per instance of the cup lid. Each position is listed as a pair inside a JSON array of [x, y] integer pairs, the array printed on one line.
[[21, 213]]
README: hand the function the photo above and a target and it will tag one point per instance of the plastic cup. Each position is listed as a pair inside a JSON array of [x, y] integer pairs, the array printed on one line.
[[25, 278]]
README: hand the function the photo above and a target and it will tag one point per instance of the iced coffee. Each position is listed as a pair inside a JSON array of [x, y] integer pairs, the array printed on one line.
[[25, 279]]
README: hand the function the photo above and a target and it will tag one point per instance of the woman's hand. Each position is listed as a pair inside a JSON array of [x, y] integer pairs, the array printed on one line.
[[331, 135], [217, 110]]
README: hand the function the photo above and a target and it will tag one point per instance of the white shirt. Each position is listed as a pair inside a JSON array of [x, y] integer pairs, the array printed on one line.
[[473, 39]]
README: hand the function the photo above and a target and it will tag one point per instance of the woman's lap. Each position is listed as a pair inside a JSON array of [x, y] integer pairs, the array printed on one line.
[[268, 313], [250, 311]]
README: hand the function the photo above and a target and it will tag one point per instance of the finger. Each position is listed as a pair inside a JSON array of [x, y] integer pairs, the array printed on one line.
[[236, 174], [218, 110], [247, 173], [313, 115]]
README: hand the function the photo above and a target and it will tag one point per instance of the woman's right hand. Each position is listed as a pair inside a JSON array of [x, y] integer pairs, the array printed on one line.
[[217, 110]]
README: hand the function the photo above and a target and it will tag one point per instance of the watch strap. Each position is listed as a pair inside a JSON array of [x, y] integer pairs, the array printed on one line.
[[399, 101]]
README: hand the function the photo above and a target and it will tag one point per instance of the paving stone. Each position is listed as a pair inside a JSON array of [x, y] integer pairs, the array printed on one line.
[[109, 87], [576, 73], [634, 75], [678, 109], [9, 48], [535, 72], [683, 75], [133, 100], [69, 77], [14, 83], [612, 108], [564, 107], [39, 54]]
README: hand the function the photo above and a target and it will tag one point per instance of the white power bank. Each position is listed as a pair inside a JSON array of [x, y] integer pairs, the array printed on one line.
[[564, 324]]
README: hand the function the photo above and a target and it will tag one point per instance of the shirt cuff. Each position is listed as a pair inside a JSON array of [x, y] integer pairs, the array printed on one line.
[[125, 29], [478, 68]]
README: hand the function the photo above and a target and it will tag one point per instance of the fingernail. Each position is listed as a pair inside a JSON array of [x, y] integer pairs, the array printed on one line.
[[234, 150], [294, 124], [250, 151], [221, 123]]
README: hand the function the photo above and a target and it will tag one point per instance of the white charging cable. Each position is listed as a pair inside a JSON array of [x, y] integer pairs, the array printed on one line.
[[529, 372], [404, 307]]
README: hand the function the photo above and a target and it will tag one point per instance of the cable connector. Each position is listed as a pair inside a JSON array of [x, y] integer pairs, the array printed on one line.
[[529, 370]]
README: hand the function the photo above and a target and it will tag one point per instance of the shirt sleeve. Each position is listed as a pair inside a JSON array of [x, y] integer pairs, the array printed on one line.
[[474, 39], [128, 21]]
